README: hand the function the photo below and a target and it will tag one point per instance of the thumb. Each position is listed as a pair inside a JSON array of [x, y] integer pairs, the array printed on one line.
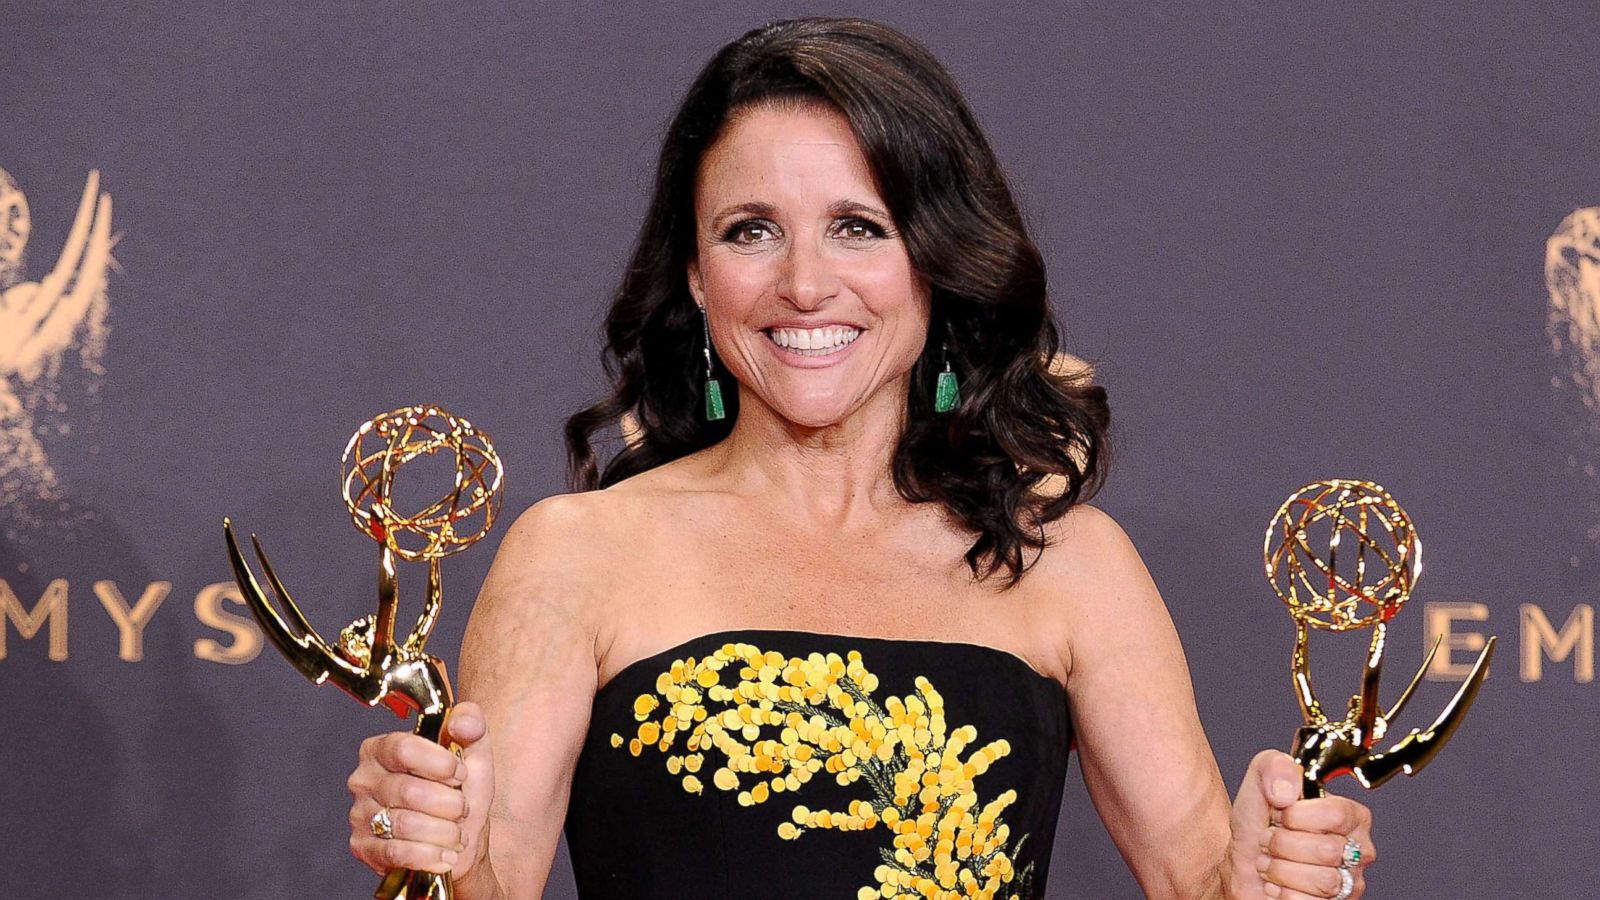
[[467, 724], [1271, 782], [468, 727]]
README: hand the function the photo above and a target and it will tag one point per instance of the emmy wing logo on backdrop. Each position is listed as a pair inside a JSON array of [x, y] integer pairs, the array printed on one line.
[[1572, 323], [1572, 276], [1552, 643], [43, 323], [53, 334]]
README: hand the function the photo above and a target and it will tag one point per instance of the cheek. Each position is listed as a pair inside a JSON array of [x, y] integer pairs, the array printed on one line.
[[888, 280], [899, 298], [895, 284], [734, 280]]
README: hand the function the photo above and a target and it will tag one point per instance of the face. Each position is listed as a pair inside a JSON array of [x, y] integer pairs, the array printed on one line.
[[811, 297]]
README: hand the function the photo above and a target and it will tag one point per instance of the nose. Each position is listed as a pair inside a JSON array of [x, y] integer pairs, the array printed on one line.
[[807, 279]]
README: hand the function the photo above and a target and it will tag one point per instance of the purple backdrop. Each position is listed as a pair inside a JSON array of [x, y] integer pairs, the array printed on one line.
[[1302, 243]]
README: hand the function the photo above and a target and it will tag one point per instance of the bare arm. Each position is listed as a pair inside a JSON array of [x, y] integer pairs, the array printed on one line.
[[1145, 759], [1146, 763], [528, 657]]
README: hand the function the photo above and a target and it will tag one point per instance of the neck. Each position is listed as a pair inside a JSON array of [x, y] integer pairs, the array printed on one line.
[[836, 476]]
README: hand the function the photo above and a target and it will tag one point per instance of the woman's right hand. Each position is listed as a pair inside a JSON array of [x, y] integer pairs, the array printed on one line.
[[438, 804]]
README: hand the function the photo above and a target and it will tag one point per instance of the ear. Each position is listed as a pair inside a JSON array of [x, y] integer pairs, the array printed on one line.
[[696, 289]]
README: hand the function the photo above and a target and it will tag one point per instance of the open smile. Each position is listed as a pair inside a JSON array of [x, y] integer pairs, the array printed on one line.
[[812, 343]]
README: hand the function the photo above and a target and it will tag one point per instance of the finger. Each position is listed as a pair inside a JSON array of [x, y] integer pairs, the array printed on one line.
[[1314, 881], [410, 825], [1332, 814], [467, 724], [1313, 847], [1356, 890], [428, 797], [1268, 783], [1291, 894], [413, 755], [1280, 779], [382, 855], [1369, 850]]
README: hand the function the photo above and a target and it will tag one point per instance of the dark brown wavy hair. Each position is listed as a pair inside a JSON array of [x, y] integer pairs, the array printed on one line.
[[1024, 415]]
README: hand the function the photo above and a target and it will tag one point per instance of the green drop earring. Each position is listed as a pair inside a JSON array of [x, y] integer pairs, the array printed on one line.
[[946, 392], [714, 410]]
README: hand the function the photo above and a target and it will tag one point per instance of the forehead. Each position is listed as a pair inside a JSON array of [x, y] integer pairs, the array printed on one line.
[[801, 152]]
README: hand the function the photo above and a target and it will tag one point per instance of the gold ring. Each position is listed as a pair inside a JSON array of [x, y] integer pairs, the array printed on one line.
[[382, 824]]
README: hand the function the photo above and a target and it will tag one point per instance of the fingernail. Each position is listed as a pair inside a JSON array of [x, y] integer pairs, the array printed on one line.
[[1271, 890], [1262, 862], [449, 857], [461, 772], [1282, 791], [1266, 837]]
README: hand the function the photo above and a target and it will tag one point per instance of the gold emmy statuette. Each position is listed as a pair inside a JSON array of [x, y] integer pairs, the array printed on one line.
[[1305, 577], [367, 662]]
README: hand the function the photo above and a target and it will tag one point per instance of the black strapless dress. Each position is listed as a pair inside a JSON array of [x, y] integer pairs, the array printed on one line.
[[762, 763]]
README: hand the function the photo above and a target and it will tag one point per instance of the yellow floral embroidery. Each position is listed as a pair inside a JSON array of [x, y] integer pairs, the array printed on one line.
[[783, 720]]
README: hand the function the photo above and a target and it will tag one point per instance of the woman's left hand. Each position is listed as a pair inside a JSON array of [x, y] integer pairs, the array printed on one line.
[[1290, 848]]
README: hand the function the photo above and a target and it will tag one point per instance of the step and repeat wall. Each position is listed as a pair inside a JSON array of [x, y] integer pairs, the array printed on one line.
[[1296, 243]]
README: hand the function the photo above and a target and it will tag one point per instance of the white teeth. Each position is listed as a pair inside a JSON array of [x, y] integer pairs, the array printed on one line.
[[814, 341]]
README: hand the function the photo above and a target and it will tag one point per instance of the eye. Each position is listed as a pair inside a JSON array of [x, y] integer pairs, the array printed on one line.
[[858, 228], [739, 231]]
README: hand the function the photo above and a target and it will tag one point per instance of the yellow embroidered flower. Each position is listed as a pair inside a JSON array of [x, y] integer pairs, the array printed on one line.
[[779, 721]]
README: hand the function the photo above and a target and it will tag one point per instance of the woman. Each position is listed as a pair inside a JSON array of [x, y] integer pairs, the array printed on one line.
[[828, 561]]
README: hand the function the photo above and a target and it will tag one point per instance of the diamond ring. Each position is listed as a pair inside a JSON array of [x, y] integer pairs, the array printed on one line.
[[382, 824], [1347, 884]]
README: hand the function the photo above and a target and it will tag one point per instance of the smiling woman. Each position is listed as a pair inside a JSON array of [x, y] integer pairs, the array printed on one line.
[[785, 647], [837, 178], [795, 273]]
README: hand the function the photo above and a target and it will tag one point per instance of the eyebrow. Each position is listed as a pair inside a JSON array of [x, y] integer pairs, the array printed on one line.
[[762, 208]]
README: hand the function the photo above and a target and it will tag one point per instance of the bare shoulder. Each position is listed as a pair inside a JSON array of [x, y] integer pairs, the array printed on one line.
[[1082, 522], [1090, 548], [574, 549], [1095, 583], [561, 529], [560, 545]]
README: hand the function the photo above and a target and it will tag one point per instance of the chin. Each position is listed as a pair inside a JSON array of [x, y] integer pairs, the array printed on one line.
[[813, 415]]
